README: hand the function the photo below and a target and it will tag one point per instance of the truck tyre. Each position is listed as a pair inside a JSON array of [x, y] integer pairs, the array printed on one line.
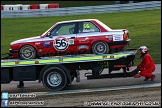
[[54, 78], [27, 52], [100, 48]]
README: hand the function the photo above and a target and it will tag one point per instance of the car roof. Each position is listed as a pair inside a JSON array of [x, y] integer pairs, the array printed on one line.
[[76, 20]]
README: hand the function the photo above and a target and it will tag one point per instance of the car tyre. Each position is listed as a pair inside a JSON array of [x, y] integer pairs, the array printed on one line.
[[27, 52], [100, 48], [54, 79]]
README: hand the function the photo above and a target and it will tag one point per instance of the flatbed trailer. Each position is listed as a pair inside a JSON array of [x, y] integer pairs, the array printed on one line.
[[57, 72]]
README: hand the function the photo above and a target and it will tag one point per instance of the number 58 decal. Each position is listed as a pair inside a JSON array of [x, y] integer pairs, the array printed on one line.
[[61, 43]]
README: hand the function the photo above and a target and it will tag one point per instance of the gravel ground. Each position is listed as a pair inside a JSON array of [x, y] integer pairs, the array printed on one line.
[[145, 97]]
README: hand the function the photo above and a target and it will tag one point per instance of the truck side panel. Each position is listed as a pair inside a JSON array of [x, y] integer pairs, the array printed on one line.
[[5, 76], [25, 73]]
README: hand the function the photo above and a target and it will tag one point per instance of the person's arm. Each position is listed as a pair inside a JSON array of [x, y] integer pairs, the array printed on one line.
[[139, 65]]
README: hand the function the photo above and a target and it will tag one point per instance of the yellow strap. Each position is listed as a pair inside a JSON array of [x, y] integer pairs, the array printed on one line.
[[62, 59]]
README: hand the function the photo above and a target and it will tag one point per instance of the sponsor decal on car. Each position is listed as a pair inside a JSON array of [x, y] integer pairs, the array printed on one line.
[[37, 43], [88, 30], [86, 26], [83, 47], [86, 40], [46, 43], [71, 41], [60, 43], [117, 37]]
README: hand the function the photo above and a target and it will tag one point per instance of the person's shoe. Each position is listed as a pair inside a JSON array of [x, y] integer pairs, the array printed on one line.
[[137, 76], [20, 86], [146, 78], [152, 78]]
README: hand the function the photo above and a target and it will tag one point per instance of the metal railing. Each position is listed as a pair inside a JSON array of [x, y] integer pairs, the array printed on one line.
[[82, 10]]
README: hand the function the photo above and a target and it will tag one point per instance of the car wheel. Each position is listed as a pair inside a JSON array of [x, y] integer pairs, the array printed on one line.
[[27, 52], [100, 48], [54, 79]]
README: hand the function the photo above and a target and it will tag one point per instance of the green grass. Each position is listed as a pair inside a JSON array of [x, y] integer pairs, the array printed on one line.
[[144, 28]]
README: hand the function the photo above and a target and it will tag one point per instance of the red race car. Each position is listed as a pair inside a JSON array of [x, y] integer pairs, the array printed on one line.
[[72, 37]]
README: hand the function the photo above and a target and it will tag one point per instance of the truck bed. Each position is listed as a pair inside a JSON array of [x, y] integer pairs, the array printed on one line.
[[67, 59]]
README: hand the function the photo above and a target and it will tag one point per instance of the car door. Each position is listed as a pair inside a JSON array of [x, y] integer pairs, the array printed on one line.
[[61, 39], [87, 33]]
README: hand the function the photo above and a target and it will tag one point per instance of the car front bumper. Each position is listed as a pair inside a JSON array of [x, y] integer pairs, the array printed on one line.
[[14, 53]]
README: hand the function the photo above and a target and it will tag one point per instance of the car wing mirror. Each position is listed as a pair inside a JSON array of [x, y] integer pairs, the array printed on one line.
[[49, 35]]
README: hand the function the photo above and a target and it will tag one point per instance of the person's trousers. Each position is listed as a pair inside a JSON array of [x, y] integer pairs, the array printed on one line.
[[146, 73], [21, 83]]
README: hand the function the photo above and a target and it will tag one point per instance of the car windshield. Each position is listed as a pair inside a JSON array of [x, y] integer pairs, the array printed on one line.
[[46, 31]]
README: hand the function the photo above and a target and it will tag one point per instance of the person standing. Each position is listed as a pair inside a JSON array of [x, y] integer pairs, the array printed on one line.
[[21, 84]]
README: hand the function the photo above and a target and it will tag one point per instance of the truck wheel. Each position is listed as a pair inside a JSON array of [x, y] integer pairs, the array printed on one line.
[[54, 78], [100, 48], [27, 52]]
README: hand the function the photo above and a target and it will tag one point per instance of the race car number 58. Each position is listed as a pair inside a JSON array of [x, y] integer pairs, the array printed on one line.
[[61, 43]]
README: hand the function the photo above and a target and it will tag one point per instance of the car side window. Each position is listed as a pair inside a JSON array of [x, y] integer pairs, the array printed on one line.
[[86, 27], [63, 29]]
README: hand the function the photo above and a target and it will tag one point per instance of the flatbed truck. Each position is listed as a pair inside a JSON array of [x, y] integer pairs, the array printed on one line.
[[58, 72]]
